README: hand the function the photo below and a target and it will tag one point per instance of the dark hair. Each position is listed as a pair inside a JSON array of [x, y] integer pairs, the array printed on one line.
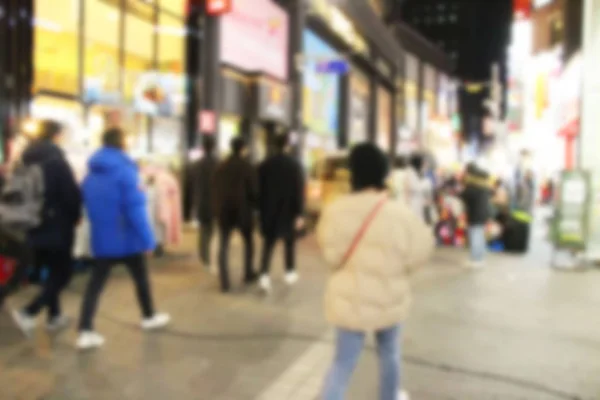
[[208, 144], [114, 137], [49, 129], [281, 141], [369, 167], [401, 162], [238, 144], [417, 161]]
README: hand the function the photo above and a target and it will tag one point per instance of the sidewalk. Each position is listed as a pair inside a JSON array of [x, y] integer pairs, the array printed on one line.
[[514, 331]]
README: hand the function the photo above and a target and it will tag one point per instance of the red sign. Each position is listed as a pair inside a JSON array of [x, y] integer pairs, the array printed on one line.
[[218, 7], [522, 9], [207, 121]]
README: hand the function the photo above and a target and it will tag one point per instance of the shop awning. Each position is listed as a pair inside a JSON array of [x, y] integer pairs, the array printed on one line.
[[374, 29]]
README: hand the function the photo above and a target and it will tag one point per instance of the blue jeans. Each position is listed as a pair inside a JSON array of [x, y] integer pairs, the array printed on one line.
[[477, 242], [348, 348]]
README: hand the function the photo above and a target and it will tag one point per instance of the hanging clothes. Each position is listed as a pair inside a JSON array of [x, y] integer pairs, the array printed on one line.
[[170, 213]]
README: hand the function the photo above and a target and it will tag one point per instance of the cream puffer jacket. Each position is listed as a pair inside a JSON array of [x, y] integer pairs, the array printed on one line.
[[371, 291]]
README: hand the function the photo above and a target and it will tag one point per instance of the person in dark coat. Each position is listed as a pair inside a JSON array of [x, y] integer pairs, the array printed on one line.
[[52, 241], [477, 200], [234, 202], [203, 173], [281, 205]]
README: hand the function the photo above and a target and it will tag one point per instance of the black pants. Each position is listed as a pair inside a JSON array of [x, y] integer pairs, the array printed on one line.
[[60, 271], [204, 239], [17, 249], [289, 240], [225, 237], [139, 272]]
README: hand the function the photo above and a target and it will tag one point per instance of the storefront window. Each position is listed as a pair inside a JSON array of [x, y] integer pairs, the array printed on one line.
[[171, 64], [359, 108], [56, 47], [140, 87], [384, 118], [176, 7], [101, 55]]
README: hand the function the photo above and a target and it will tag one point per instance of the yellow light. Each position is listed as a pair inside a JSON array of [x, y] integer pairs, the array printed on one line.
[[31, 128]]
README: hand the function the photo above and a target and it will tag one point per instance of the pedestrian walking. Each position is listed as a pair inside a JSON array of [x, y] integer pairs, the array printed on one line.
[[121, 233], [476, 197], [203, 173], [235, 198], [50, 242], [281, 205], [373, 245]]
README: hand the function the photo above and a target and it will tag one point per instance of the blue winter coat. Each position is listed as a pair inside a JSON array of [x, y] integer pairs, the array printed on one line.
[[116, 206]]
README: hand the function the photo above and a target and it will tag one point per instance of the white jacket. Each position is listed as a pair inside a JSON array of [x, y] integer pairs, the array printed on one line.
[[371, 291], [407, 187]]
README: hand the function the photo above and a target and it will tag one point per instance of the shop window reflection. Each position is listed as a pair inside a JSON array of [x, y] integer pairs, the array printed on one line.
[[101, 59], [56, 47], [171, 47], [176, 7]]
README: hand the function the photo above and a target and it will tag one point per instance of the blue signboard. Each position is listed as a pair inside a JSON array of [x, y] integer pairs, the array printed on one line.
[[339, 67], [321, 90]]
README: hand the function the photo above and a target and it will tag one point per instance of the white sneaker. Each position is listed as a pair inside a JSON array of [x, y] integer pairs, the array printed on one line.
[[403, 395], [291, 278], [58, 323], [89, 340], [264, 283], [156, 322], [24, 322]]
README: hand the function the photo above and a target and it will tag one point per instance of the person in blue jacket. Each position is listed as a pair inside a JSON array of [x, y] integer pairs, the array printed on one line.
[[120, 232]]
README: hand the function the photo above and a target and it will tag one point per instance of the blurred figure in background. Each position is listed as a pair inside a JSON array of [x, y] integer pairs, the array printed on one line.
[[235, 198], [121, 233], [525, 193], [52, 240], [476, 198], [203, 188], [423, 200], [373, 245], [405, 184], [281, 205]]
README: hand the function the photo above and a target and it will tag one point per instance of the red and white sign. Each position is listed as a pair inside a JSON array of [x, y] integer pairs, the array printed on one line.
[[254, 37], [207, 121], [218, 7]]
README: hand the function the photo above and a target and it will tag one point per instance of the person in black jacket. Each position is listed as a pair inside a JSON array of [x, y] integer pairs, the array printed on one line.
[[477, 199], [281, 205], [234, 201], [203, 173], [52, 241]]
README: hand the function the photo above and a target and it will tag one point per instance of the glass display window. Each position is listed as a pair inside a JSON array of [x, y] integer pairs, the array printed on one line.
[[101, 54], [176, 7], [56, 51], [384, 118], [140, 88]]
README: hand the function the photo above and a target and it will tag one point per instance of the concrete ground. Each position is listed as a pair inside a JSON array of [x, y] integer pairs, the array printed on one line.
[[514, 331]]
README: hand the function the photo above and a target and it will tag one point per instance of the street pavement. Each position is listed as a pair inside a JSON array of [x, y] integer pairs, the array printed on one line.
[[514, 331]]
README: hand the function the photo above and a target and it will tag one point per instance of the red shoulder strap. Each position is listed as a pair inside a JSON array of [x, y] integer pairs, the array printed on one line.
[[363, 229]]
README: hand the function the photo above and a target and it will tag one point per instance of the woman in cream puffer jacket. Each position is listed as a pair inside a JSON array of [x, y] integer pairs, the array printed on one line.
[[368, 290]]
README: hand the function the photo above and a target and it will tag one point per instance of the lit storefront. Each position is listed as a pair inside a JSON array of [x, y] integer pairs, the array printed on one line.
[[408, 135], [94, 58], [321, 99], [384, 118], [254, 99]]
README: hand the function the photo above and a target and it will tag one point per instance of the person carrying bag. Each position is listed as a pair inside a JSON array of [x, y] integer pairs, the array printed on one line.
[[372, 245]]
